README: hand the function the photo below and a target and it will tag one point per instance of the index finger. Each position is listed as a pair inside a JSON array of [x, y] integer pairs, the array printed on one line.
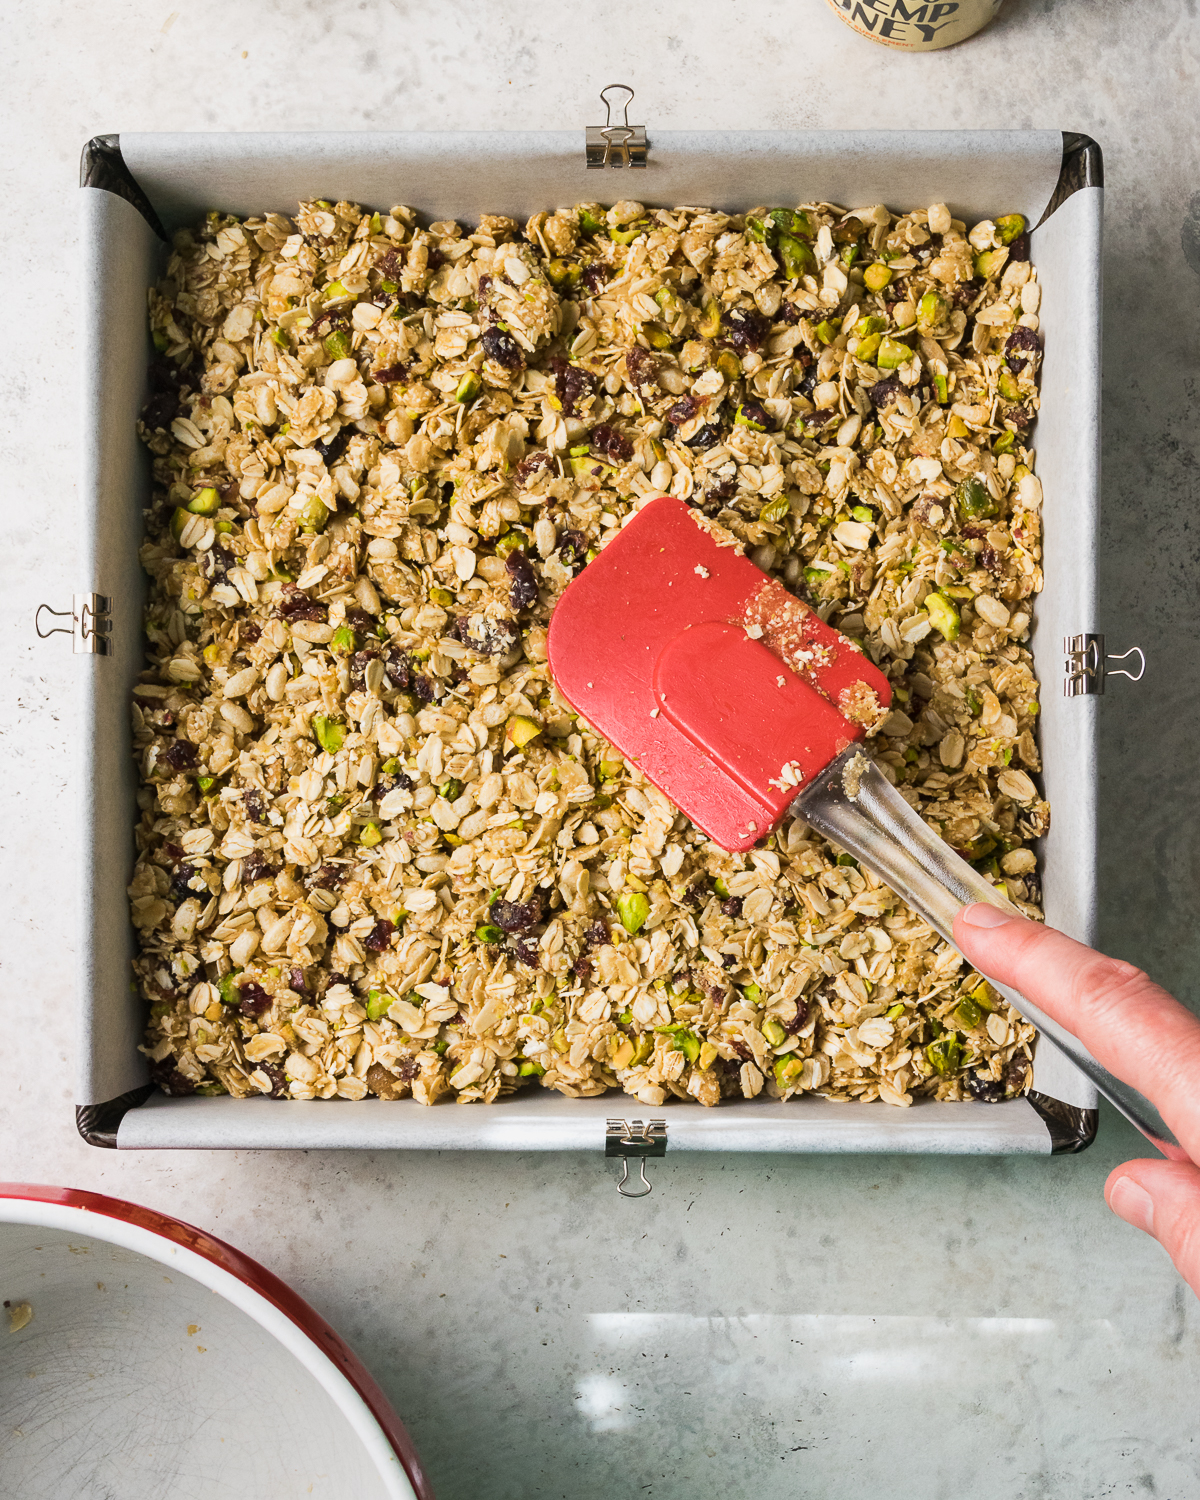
[[1128, 1023]]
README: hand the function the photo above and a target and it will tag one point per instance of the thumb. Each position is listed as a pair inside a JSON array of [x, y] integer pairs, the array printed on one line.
[[1163, 1199]]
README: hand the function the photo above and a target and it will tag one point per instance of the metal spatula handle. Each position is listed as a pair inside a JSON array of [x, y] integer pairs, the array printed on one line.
[[873, 822]]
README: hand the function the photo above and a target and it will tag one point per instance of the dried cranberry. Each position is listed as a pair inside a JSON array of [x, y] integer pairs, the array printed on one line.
[[249, 632], [596, 934], [359, 663], [329, 878], [986, 1090], [256, 866], [334, 317], [732, 907], [179, 755], [1016, 1074], [641, 365], [1019, 249], [488, 637], [516, 916], [683, 410], [696, 896], [331, 449], [529, 466], [757, 415], [614, 445], [746, 328], [582, 969], [798, 1020], [179, 888], [571, 385], [254, 999], [526, 950], [424, 689], [216, 563], [708, 437], [390, 374], [790, 313], [397, 783], [992, 561], [406, 1069], [502, 348], [729, 960], [279, 1084], [380, 936], [809, 384], [160, 411], [164, 376], [1022, 348], [390, 266], [297, 981], [399, 667], [721, 489], [256, 807], [294, 604], [884, 392], [963, 293], [1022, 418], [741, 1048], [170, 1079], [573, 550], [594, 277], [524, 590], [360, 619]]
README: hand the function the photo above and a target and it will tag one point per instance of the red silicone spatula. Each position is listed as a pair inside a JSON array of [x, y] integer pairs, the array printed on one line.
[[742, 705]]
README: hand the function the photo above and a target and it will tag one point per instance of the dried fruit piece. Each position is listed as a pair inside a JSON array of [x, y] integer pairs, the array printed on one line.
[[524, 590]]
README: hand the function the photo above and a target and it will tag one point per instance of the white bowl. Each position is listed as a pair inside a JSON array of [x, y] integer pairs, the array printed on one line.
[[160, 1362]]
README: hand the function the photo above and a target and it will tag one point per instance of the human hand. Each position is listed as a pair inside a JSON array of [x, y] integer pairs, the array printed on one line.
[[1134, 1029]]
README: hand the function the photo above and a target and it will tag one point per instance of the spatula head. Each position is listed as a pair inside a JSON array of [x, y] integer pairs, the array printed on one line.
[[726, 691]]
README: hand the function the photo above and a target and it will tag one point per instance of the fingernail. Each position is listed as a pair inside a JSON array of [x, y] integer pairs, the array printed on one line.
[[1131, 1202], [983, 915]]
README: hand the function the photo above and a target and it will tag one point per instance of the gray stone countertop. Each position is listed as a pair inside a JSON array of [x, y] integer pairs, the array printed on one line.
[[774, 1326]]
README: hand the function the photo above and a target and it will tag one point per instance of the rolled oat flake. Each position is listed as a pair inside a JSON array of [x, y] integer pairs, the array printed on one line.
[[913, 26]]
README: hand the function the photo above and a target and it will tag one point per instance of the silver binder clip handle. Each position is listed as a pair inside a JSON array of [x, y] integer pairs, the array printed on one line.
[[61, 614], [635, 1140], [91, 620], [615, 143], [1121, 656]]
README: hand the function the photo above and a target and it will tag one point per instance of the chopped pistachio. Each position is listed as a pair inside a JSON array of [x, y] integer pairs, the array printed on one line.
[[633, 908], [371, 835], [337, 344], [521, 730], [788, 1070], [467, 388], [378, 1002], [943, 616], [893, 354], [729, 365], [1008, 227], [968, 1015], [488, 932], [330, 732], [774, 1032], [945, 1055], [775, 510], [868, 347], [229, 989], [710, 321], [931, 312], [974, 500], [798, 259], [343, 642], [988, 262], [1008, 386], [315, 514], [1006, 442], [876, 277], [564, 272], [204, 502]]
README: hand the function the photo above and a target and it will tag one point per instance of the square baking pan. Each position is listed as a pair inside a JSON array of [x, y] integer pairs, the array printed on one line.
[[139, 188]]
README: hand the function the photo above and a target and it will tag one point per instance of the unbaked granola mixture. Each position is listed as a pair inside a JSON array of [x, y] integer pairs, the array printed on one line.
[[378, 853]]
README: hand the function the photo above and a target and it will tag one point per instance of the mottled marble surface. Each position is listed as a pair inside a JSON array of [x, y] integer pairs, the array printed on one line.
[[777, 1327]]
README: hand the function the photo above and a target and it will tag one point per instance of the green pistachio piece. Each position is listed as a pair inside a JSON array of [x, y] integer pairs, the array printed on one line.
[[848, 859], [896, 1011], [893, 354], [988, 262], [798, 259], [530, 1069], [467, 388], [488, 932], [377, 1005], [876, 277], [863, 513], [645, 1047], [721, 888], [849, 254], [945, 1055], [775, 510], [688, 1043], [745, 419], [968, 1015], [931, 311], [868, 347], [441, 596], [788, 1070], [337, 344], [564, 272], [280, 339], [774, 1032], [943, 616], [630, 233], [633, 908], [941, 386], [336, 292], [520, 731], [1008, 226], [315, 515], [229, 989], [611, 769], [343, 640], [729, 365], [206, 783], [330, 733], [658, 338], [1006, 442], [1008, 386], [710, 321], [669, 302], [204, 502], [753, 994], [371, 835], [590, 224], [974, 500], [762, 231], [872, 323], [179, 520], [826, 331], [451, 789]]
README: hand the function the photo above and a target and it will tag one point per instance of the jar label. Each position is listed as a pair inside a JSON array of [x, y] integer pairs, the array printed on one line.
[[916, 25]]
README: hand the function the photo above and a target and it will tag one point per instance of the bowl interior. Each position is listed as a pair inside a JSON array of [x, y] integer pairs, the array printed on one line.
[[132, 1379]]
